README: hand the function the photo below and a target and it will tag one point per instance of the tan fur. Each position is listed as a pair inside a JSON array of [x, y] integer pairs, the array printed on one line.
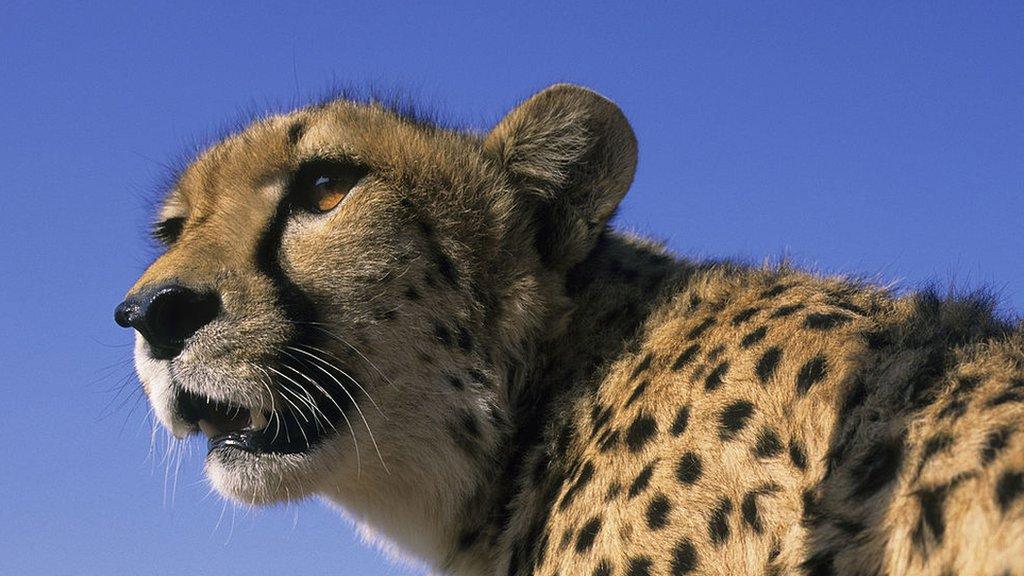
[[535, 394]]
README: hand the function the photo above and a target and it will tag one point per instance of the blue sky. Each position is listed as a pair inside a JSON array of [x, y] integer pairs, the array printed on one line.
[[878, 139]]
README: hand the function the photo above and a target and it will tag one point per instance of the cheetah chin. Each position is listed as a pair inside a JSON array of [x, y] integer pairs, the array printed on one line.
[[438, 332]]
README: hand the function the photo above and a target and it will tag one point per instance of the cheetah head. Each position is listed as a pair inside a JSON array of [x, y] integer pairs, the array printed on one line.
[[344, 291]]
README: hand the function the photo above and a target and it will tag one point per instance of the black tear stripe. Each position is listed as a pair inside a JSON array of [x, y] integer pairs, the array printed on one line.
[[301, 314], [298, 308]]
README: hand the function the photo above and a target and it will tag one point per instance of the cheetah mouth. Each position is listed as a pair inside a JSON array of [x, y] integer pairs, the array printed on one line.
[[297, 428]]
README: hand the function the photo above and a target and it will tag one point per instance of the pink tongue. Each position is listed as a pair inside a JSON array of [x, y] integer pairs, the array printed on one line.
[[209, 429]]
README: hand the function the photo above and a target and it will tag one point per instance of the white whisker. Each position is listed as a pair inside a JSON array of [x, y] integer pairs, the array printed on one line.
[[354, 402], [339, 369]]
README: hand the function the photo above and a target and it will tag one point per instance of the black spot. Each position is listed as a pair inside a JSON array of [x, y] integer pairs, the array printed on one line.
[[465, 433], [789, 310], [465, 340], [718, 524], [753, 337], [798, 455], [694, 302], [937, 443], [714, 379], [1009, 487], [469, 425], [586, 475], [877, 467], [734, 418], [613, 492], [603, 569], [715, 353], [442, 333], [599, 415], [775, 550], [776, 290], [455, 381], [542, 544], [411, 293], [820, 564], [838, 302], [965, 384], [642, 480], [639, 566], [995, 442], [689, 469], [467, 538], [857, 395], [684, 558], [566, 538], [657, 512], [811, 512], [932, 502], [608, 440], [1005, 398], [814, 371], [425, 227], [768, 444], [478, 377], [878, 339], [767, 364], [587, 534], [640, 431], [825, 321], [681, 420], [637, 392], [953, 410], [446, 268], [700, 328], [643, 365], [685, 357], [295, 132], [744, 315], [749, 510], [699, 371]]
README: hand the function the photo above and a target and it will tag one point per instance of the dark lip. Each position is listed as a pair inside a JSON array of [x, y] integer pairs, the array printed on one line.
[[240, 440]]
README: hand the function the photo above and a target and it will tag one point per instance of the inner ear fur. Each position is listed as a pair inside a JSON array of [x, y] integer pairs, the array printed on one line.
[[570, 154]]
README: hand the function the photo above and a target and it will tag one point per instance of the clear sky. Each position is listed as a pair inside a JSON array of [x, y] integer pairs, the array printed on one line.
[[878, 139]]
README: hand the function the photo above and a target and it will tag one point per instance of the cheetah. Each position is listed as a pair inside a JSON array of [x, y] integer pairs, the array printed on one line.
[[438, 331]]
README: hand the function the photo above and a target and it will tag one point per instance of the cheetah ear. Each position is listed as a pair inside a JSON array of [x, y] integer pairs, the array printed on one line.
[[570, 154]]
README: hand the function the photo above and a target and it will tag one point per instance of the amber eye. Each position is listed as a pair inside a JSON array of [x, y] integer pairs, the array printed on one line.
[[329, 192], [321, 186]]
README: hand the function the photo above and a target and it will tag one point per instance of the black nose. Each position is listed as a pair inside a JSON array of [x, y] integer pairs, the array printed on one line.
[[167, 315]]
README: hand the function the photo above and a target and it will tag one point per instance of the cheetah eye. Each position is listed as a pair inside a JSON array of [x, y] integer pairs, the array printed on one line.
[[167, 231], [320, 186]]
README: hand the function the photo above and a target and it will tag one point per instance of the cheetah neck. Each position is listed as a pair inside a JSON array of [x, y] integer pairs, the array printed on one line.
[[611, 293], [462, 516]]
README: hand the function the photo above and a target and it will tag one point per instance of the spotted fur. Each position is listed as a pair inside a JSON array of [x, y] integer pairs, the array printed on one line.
[[548, 396]]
